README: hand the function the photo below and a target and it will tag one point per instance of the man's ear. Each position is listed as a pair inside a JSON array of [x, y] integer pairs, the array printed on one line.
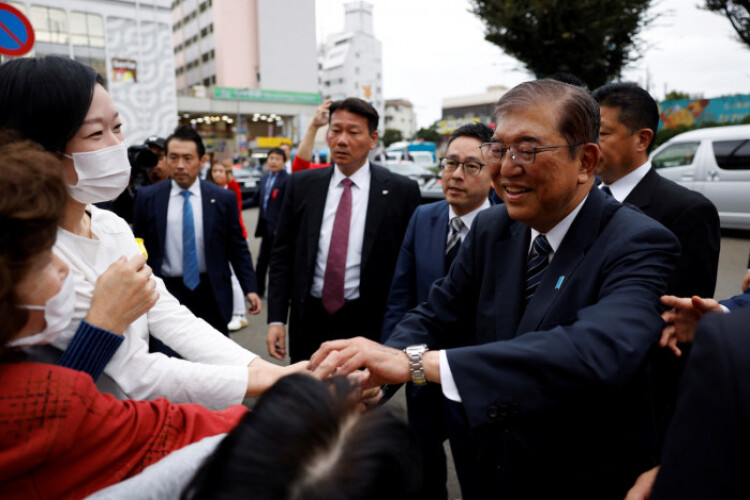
[[645, 135], [204, 159], [590, 153], [373, 140]]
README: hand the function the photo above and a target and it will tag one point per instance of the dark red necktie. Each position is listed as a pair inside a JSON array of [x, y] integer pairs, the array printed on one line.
[[333, 281]]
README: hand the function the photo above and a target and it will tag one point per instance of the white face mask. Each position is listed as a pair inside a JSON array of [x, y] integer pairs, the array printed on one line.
[[58, 311], [102, 174]]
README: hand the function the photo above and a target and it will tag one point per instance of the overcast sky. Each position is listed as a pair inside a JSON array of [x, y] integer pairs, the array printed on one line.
[[435, 48]]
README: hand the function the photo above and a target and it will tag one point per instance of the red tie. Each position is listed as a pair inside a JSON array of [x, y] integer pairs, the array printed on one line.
[[333, 282]]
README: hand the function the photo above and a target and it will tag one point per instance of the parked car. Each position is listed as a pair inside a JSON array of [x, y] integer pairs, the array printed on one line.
[[247, 178], [714, 162], [411, 170]]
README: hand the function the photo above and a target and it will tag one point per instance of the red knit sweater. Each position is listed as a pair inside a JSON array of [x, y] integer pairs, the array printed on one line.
[[61, 438]]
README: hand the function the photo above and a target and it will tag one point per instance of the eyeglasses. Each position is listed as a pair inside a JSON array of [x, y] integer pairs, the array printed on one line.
[[470, 167], [522, 154]]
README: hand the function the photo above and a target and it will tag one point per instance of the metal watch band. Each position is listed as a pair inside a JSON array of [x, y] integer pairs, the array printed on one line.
[[414, 353]]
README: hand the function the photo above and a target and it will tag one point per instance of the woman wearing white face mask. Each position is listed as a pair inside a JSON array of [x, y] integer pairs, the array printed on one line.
[[59, 436], [72, 115]]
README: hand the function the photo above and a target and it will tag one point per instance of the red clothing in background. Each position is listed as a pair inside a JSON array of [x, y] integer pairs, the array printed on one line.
[[235, 187], [300, 164], [61, 438]]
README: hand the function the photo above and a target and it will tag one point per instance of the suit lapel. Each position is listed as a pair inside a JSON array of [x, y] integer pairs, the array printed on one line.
[[317, 192], [161, 205], [643, 192], [375, 208], [209, 213], [582, 233], [511, 251], [438, 231]]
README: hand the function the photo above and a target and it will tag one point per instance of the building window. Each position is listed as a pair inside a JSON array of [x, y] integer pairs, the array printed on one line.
[[50, 24], [87, 29]]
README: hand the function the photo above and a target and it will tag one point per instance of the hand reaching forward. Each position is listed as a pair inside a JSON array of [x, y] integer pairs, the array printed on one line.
[[682, 319]]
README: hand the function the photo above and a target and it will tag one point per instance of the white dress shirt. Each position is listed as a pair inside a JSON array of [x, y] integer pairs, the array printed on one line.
[[288, 167], [622, 187], [172, 265], [214, 371], [555, 237], [467, 219], [360, 196]]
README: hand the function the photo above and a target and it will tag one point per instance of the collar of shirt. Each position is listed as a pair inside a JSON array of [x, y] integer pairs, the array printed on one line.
[[195, 189], [360, 178], [467, 219], [556, 235], [622, 187]]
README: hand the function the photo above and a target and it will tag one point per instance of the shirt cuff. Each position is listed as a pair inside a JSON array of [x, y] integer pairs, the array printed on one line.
[[272, 323], [447, 383], [90, 349], [724, 308]]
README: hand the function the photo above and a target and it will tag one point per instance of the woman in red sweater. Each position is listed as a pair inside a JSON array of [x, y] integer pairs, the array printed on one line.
[[59, 436]]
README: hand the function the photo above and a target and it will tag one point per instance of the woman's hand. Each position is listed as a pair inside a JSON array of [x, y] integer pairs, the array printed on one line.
[[123, 293]]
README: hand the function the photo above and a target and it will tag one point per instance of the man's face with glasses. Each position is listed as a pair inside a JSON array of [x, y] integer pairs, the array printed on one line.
[[531, 166], [465, 179]]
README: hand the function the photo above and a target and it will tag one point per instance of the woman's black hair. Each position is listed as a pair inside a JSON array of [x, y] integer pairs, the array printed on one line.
[[305, 440], [46, 98]]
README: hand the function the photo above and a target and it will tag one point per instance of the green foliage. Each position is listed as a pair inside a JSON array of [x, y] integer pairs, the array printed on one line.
[[391, 135], [676, 95], [591, 39], [738, 14], [429, 134]]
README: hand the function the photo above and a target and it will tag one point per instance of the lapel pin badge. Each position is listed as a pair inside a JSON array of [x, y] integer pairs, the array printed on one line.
[[559, 282], [385, 191], [213, 200]]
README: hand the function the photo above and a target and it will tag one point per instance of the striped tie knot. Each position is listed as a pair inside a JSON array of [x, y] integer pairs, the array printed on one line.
[[536, 264]]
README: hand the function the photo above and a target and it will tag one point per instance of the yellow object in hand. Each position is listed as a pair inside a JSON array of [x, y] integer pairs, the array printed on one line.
[[142, 247]]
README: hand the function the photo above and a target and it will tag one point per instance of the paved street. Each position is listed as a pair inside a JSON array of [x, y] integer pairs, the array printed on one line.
[[732, 267]]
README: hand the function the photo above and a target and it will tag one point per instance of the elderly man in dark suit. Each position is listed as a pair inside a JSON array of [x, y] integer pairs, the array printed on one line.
[[540, 330], [630, 117], [192, 232], [337, 241]]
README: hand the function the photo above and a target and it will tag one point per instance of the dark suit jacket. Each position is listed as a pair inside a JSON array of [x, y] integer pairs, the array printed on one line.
[[555, 400], [738, 301], [222, 237], [695, 222], [268, 219], [707, 451], [392, 200]]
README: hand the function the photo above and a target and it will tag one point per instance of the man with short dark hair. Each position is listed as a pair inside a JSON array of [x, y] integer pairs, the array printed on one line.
[[432, 241], [630, 117], [160, 172], [539, 332], [337, 240], [192, 232]]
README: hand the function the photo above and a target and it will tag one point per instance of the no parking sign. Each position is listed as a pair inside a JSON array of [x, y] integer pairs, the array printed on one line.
[[16, 33]]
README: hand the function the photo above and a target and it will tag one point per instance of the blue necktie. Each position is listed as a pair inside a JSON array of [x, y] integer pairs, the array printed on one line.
[[190, 273], [269, 185], [607, 191], [536, 264]]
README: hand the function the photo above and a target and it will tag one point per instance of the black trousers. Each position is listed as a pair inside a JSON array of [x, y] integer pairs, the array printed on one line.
[[319, 326], [261, 265], [200, 301]]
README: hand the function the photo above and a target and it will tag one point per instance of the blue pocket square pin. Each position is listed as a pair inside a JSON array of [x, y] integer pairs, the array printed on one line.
[[559, 282]]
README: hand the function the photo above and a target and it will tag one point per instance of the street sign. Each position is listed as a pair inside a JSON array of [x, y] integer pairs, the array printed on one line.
[[16, 33]]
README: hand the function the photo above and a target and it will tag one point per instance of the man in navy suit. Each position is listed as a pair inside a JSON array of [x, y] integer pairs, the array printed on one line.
[[268, 197], [630, 117], [192, 232], [430, 245], [539, 332], [337, 241]]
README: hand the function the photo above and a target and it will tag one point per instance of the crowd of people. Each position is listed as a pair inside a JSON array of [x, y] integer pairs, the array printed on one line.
[[547, 317]]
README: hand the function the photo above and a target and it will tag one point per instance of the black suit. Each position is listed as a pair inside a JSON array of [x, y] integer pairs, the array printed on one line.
[[392, 199], [695, 221], [554, 395], [223, 242], [268, 219], [707, 451]]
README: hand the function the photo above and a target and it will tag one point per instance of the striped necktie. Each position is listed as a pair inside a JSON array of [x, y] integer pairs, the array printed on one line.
[[536, 264], [190, 273], [454, 241]]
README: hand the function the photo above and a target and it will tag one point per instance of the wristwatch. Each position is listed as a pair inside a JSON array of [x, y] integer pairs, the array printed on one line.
[[415, 352]]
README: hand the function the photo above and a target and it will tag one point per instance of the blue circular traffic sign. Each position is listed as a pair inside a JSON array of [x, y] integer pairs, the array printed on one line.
[[16, 33]]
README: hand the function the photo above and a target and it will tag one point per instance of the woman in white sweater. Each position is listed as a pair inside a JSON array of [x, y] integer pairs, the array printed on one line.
[[64, 106]]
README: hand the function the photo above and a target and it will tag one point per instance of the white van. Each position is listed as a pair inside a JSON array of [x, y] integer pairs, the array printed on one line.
[[714, 162]]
